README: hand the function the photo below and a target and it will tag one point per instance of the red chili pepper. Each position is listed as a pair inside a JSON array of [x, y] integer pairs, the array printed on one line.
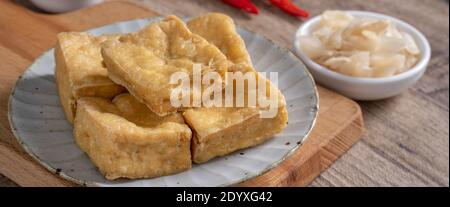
[[246, 5], [290, 8]]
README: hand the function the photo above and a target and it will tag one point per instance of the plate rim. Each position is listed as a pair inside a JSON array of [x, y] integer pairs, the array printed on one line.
[[27, 149]]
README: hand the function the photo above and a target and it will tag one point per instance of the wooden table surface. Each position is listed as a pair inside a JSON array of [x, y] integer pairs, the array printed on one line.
[[406, 143]]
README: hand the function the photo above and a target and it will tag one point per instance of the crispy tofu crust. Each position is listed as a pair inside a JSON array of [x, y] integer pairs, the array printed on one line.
[[220, 30], [235, 129], [79, 70], [220, 131], [143, 62], [126, 140]]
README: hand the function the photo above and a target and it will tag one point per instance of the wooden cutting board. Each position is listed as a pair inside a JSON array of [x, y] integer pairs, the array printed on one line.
[[24, 35]]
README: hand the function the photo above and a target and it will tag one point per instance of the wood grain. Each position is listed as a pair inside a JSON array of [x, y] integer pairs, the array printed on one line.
[[406, 143], [338, 127]]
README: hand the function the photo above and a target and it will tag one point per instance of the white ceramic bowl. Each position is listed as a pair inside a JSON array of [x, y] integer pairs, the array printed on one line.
[[58, 6], [367, 89]]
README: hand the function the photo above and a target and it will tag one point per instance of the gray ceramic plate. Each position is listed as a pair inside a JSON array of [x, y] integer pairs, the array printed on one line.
[[39, 125]]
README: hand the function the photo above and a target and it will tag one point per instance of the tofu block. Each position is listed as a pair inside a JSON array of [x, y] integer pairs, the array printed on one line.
[[79, 70], [124, 139], [219, 29], [220, 131], [143, 62]]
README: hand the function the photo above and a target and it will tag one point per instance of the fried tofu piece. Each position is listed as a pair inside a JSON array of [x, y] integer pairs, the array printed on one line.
[[220, 30], [124, 139], [219, 131], [143, 62], [79, 70]]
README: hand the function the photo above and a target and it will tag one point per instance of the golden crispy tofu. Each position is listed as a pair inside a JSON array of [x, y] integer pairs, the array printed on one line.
[[125, 139], [79, 70], [143, 62], [221, 130], [219, 29]]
